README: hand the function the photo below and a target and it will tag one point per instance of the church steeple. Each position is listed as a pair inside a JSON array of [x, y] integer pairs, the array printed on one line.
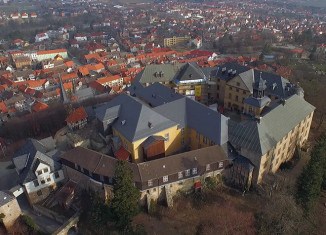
[[259, 88], [63, 95]]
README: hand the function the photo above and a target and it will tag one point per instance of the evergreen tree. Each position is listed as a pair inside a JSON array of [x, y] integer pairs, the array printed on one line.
[[313, 176], [126, 196]]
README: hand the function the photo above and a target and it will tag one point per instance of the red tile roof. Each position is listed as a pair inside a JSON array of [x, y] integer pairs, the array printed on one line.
[[51, 51], [3, 107], [122, 154], [39, 106], [77, 115]]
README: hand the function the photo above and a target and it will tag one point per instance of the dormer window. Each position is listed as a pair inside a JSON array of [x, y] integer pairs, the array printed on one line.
[[39, 172], [46, 170], [150, 125]]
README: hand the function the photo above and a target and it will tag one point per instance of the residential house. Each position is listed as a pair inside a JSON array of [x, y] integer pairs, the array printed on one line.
[[77, 119], [51, 54], [40, 37], [111, 81], [38, 168], [22, 62], [175, 41]]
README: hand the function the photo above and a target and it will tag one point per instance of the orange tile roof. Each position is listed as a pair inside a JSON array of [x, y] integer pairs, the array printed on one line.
[[39, 106], [68, 86], [83, 70], [92, 56], [36, 83], [94, 67], [69, 76], [77, 115], [62, 50], [104, 80], [69, 63], [3, 107]]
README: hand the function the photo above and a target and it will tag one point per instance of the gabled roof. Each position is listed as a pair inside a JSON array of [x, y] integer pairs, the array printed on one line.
[[158, 73], [260, 137], [135, 120], [27, 157], [189, 71], [77, 115]]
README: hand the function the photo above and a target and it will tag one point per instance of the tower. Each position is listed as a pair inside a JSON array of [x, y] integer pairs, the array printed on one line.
[[63, 95]]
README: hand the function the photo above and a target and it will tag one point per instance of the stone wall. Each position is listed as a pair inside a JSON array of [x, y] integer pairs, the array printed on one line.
[[12, 211]]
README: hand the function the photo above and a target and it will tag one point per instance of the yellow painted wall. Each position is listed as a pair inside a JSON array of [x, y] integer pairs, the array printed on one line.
[[171, 146]]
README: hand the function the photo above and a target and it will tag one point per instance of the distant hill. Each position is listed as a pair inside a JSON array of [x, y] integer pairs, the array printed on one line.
[[313, 3]]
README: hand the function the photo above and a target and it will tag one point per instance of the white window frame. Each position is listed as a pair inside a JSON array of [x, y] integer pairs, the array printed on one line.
[[194, 171], [165, 179], [180, 175], [208, 167], [220, 165], [150, 183], [187, 172]]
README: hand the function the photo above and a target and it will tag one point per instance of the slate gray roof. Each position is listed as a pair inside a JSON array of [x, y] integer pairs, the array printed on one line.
[[104, 165], [135, 120], [180, 162], [187, 112], [275, 84], [150, 73], [189, 71], [27, 157], [217, 72], [5, 197], [156, 94], [257, 102], [260, 137]]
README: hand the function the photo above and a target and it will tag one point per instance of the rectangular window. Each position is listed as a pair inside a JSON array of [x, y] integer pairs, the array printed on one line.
[[42, 181], [165, 179], [220, 164], [238, 83], [236, 98], [244, 92], [36, 183], [237, 90], [230, 96], [194, 171], [39, 193], [208, 167], [150, 182], [167, 137], [39, 172], [187, 172], [180, 175], [230, 88], [48, 179], [46, 170], [56, 175]]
